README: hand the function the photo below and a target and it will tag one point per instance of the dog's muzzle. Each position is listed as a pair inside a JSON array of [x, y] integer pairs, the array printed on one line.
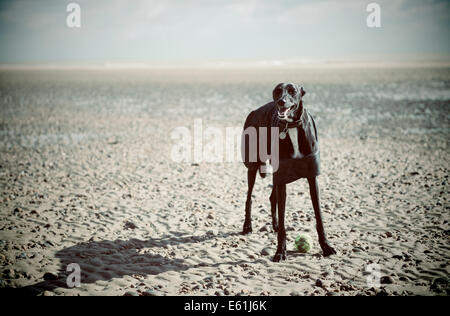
[[286, 113]]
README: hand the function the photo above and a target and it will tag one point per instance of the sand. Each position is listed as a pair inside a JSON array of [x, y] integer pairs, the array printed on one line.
[[86, 177]]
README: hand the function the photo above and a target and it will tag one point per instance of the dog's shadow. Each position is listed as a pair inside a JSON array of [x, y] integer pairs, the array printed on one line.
[[107, 259]]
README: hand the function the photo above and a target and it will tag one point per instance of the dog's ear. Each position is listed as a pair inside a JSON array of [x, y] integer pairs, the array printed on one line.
[[302, 92], [277, 87]]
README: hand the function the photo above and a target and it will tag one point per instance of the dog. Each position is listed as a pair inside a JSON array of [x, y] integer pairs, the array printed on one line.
[[298, 155]]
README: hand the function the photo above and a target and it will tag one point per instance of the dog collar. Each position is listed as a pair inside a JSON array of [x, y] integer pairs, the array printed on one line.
[[288, 125], [293, 124]]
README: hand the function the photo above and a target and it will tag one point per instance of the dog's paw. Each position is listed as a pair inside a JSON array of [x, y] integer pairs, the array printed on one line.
[[279, 256], [247, 229], [328, 250]]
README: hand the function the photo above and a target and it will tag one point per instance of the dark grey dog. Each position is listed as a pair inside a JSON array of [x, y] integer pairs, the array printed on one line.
[[298, 157]]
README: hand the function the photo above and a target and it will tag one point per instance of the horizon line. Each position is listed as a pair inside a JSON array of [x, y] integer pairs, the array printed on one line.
[[274, 63]]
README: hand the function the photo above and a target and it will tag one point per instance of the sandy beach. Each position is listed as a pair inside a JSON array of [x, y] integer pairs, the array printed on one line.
[[87, 177]]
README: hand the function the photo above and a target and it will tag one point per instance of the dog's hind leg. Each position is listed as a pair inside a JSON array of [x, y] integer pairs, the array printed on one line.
[[314, 191], [273, 209], [251, 177], [281, 200]]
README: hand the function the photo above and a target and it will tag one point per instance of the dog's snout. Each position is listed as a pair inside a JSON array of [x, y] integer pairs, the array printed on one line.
[[281, 102]]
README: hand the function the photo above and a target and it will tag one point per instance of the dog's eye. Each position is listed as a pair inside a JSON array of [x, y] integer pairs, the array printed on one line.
[[291, 91]]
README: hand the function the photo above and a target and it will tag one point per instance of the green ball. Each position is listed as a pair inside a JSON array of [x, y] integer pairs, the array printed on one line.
[[303, 243]]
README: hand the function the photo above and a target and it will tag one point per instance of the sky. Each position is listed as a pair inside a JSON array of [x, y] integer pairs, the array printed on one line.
[[169, 30]]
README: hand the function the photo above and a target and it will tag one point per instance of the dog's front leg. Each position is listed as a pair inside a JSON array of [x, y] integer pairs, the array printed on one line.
[[251, 177], [273, 209], [314, 191], [281, 200]]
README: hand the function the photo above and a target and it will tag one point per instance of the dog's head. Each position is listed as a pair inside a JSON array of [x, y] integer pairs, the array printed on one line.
[[288, 99]]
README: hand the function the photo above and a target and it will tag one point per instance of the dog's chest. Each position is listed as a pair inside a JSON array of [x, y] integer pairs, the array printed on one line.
[[293, 136], [290, 147]]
